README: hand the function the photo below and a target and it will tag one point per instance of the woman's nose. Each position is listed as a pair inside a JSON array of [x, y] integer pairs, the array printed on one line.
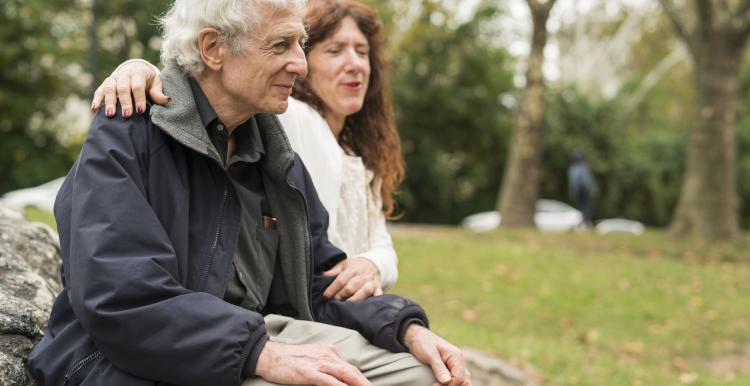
[[355, 62]]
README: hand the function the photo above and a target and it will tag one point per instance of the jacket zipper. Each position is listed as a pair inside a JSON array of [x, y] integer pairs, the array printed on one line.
[[81, 364], [309, 251], [209, 264]]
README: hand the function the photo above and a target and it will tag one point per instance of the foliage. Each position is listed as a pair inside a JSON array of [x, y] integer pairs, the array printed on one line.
[[127, 29], [637, 163], [39, 46], [583, 309], [447, 87], [45, 61]]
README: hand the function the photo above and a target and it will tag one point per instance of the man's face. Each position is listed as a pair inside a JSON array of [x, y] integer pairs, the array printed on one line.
[[261, 78]]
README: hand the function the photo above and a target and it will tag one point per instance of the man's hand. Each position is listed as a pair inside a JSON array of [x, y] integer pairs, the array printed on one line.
[[446, 360], [357, 279], [132, 77], [309, 364]]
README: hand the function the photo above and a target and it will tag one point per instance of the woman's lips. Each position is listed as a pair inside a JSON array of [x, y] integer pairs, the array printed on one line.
[[353, 86]]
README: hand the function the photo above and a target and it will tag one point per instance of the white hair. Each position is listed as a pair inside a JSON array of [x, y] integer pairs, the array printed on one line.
[[234, 18]]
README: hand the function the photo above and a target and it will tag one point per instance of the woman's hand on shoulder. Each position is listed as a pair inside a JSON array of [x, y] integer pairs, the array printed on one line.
[[127, 83], [356, 279]]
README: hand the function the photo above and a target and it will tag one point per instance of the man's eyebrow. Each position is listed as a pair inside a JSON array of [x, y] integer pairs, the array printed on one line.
[[289, 35]]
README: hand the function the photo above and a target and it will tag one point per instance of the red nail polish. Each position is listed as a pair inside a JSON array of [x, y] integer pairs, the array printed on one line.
[[93, 106], [110, 112], [126, 113], [140, 109]]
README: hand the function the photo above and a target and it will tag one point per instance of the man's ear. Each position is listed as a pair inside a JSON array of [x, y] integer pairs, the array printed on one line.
[[210, 45]]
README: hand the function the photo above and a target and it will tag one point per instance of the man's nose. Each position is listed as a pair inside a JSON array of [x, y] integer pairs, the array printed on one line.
[[298, 63]]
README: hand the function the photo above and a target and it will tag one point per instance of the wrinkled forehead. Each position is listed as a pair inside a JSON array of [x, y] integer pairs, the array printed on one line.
[[280, 22]]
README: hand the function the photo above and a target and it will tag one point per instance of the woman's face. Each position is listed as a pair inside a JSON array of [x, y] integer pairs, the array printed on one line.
[[339, 69]]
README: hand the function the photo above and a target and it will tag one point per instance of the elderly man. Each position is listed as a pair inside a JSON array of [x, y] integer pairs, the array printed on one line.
[[181, 229]]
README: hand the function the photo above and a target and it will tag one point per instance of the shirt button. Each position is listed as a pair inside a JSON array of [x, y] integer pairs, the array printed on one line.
[[220, 127]]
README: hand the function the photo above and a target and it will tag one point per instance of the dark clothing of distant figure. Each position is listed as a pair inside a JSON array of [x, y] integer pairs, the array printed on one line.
[[582, 188]]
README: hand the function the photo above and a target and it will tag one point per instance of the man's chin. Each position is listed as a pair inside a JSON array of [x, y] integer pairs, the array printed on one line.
[[279, 107]]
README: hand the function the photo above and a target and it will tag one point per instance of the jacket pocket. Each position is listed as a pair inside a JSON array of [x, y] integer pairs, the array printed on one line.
[[75, 375]]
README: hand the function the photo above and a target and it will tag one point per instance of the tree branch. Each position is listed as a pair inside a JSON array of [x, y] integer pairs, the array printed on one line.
[[541, 8], [741, 19], [744, 8], [674, 18], [705, 16]]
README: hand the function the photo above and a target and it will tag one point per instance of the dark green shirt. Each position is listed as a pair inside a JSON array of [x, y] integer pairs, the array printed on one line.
[[255, 263]]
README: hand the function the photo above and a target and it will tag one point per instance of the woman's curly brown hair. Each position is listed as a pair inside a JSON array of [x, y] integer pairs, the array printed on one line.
[[370, 132]]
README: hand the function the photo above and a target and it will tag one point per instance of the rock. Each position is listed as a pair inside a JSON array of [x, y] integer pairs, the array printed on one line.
[[10, 212], [490, 371], [29, 281]]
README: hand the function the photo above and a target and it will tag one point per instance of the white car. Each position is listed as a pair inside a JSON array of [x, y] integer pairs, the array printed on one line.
[[550, 216], [619, 225], [42, 196]]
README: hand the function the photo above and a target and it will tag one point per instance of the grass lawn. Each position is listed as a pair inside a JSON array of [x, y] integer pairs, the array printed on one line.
[[586, 309], [33, 213]]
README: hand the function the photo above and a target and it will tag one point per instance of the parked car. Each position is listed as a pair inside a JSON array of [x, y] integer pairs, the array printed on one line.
[[42, 196], [550, 216], [619, 225]]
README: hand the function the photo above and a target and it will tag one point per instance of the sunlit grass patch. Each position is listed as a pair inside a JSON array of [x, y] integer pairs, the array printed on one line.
[[586, 309], [32, 213]]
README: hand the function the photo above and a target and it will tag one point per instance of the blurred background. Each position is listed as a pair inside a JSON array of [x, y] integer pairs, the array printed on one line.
[[492, 99]]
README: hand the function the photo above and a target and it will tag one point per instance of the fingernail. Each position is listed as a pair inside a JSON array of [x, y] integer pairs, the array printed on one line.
[[126, 113], [110, 111], [169, 99], [93, 106], [140, 109]]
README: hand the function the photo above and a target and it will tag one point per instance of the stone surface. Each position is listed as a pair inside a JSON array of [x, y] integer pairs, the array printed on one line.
[[487, 370], [29, 281]]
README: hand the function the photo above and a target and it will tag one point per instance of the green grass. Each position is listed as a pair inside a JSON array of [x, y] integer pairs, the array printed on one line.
[[586, 309], [33, 213]]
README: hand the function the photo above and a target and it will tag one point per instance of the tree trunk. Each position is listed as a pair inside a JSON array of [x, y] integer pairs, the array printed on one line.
[[520, 186], [709, 201]]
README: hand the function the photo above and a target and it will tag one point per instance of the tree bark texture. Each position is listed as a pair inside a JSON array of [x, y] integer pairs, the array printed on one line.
[[520, 184], [709, 200], [716, 37]]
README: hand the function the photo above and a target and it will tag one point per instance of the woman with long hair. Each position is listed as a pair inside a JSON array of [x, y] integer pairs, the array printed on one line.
[[340, 121]]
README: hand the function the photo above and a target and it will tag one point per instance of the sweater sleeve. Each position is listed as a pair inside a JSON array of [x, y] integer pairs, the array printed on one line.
[[380, 251], [380, 319]]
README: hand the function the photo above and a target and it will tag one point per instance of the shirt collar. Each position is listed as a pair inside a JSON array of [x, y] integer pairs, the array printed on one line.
[[205, 110], [249, 141]]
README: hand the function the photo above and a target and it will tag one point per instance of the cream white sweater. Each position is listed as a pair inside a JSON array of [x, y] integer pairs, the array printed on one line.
[[357, 223]]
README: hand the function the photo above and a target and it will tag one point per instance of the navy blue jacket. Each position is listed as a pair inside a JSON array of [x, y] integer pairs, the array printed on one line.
[[148, 222]]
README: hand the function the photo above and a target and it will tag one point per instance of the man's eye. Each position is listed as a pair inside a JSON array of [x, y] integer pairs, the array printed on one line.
[[281, 46]]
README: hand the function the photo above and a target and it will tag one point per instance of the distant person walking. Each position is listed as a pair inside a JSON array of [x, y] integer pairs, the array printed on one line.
[[582, 188]]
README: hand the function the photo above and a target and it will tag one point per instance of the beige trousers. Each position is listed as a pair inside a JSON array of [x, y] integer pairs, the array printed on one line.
[[381, 367]]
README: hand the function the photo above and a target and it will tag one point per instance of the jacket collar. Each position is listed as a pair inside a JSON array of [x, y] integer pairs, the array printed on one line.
[[180, 120]]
